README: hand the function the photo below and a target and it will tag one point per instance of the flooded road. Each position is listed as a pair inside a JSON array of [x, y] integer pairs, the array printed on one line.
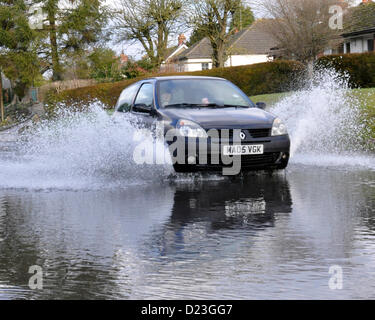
[[74, 204], [257, 237]]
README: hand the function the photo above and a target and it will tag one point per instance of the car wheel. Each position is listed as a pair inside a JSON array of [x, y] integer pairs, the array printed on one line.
[[282, 166]]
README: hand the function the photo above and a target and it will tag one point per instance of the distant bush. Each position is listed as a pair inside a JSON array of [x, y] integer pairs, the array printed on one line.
[[359, 66], [262, 78]]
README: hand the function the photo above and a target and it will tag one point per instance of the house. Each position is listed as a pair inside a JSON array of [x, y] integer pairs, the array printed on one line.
[[168, 64], [358, 37], [197, 57], [251, 45], [248, 46], [359, 41]]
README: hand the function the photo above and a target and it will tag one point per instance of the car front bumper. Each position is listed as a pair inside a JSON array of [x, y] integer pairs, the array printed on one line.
[[207, 155]]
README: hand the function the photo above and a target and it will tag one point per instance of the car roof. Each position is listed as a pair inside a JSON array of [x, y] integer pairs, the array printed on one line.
[[183, 77]]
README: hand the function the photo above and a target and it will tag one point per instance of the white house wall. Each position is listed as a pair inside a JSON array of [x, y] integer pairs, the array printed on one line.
[[196, 64], [359, 44], [242, 60], [356, 45], [232, 61]]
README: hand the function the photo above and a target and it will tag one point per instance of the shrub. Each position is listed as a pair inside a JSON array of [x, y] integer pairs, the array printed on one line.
[[359, 66], [133, 70], [262, 78]]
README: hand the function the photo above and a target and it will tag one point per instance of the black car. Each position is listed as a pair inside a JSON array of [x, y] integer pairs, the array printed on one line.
[[208, 123]]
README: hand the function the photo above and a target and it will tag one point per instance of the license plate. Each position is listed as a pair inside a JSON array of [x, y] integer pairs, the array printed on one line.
[[238, 150], [243, 208]]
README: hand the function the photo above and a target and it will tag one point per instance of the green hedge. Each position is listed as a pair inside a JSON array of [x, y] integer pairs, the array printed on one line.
[[254, 79], [359, 66]]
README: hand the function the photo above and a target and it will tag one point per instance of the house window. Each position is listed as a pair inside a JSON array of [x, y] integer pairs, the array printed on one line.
[[341, 49], [347, 47], [370, 45], [205, 66]]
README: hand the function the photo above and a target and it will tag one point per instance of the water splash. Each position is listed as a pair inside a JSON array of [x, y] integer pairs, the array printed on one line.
[[324, 123], [80, 150]]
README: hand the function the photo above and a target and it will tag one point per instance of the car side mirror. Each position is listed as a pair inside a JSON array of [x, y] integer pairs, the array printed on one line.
[[261, 105], [142, 108]]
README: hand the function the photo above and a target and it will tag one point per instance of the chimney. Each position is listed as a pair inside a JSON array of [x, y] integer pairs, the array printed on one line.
[[123, 58], [181, 39]]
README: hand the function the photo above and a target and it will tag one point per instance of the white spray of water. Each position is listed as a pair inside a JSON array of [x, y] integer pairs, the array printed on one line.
[[324, 123], [80, 150]]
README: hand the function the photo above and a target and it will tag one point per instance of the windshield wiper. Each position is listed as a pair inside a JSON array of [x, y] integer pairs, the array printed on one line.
[[235, 106], [178, 105], [221, 106], [194, 105], [201, 105]]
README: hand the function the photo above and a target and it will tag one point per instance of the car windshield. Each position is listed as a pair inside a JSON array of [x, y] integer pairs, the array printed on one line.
[[202, 93]]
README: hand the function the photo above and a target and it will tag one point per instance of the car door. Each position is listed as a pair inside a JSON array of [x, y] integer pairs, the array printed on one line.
[[143, 106]]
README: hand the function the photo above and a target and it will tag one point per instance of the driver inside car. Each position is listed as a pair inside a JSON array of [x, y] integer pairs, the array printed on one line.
[[166, 98], [205, 101]]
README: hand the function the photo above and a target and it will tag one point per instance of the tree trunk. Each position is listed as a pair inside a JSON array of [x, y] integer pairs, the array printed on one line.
[[218, 60], [1, 98], [310, 68], [221, 58], [27, 98], [56, 68], [15, 100], [162, 46]]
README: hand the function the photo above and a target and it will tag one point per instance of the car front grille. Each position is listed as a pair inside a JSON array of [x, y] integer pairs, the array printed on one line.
[[250, 133], [259, 160], [259, 133]]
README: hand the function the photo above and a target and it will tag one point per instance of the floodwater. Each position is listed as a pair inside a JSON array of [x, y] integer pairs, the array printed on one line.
[[97, 226], [260, 236]]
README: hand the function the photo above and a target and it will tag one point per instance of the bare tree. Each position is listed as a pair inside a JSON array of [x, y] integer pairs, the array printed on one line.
[[214, 17], [149, 22], [303, 28]]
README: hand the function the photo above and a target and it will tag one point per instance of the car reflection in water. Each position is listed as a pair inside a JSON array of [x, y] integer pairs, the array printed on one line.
[[206, 216]]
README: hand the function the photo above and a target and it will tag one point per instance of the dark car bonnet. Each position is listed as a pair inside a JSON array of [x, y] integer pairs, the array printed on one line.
[[220, 118]]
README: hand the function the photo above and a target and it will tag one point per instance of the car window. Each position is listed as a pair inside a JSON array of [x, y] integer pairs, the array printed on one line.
[[145, 95], [200, 92], [126, 98]]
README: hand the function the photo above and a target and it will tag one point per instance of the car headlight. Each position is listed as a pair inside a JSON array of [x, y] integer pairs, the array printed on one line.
[[278, 128], [190, 129]]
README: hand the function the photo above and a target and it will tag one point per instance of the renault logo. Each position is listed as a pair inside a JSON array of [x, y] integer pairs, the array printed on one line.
[[242, 135]]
